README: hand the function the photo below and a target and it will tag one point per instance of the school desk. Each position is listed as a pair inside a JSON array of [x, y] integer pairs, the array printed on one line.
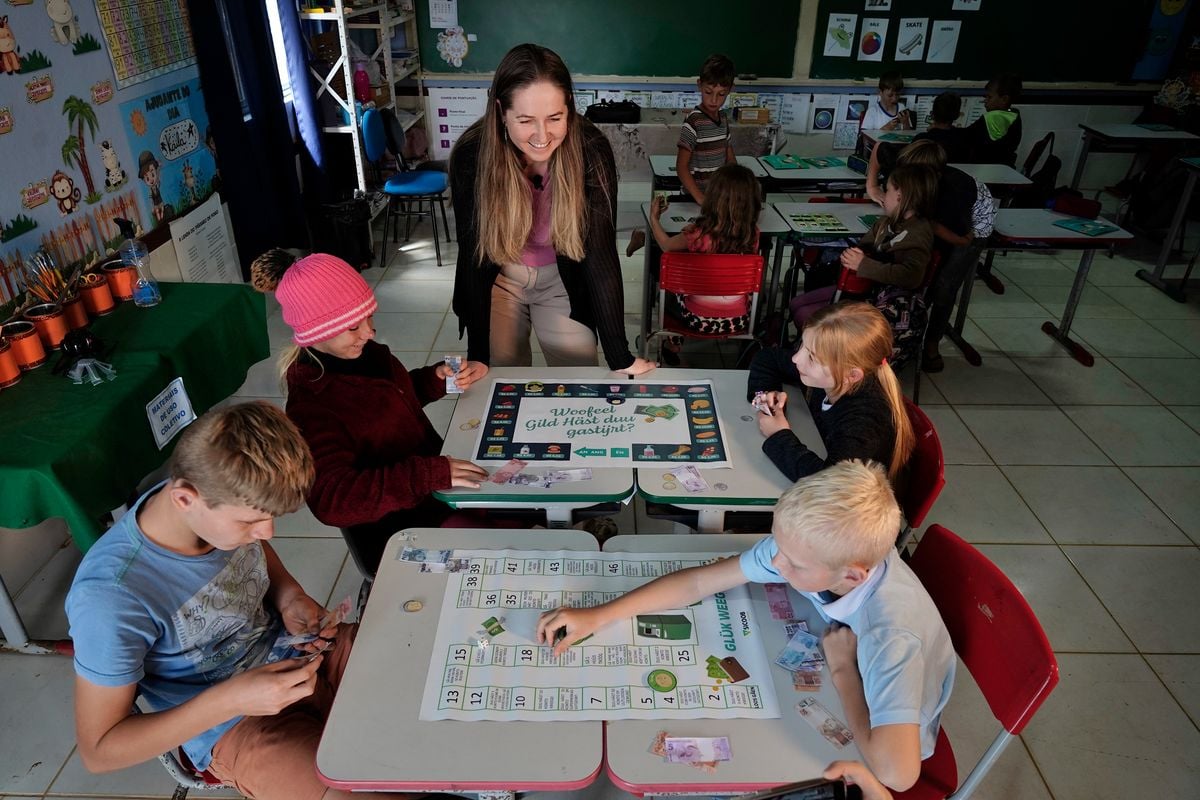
[[374, 739], [673, 220], [815, 179], [847, 213], [994, 176], [665, 176], [1125, 138], [658, 132], [766, 753], [1034, 229], [874, 136], [608, 485], [77, 452], [1175, 291], [753, 483]]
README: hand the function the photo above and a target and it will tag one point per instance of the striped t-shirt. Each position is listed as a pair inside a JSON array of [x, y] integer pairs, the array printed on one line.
[[706, 139]]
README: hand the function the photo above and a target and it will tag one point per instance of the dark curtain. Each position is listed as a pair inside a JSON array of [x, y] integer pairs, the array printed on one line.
[[255, 153], [304, 103]]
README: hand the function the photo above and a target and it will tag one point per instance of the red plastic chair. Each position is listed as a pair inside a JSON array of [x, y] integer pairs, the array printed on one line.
[[705, 273], [926, 468], [997, 636]]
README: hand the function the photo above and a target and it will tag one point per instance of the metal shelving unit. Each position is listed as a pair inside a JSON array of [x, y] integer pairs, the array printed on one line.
[[383, 21]]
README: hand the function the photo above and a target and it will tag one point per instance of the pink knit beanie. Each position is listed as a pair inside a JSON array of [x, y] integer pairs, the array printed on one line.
[[322, 296]]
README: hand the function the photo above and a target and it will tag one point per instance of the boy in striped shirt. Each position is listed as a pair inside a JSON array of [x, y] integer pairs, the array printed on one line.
[[704, 138]]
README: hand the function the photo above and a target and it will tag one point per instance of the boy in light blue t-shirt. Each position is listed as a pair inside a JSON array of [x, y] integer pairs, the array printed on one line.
[[888, 651]]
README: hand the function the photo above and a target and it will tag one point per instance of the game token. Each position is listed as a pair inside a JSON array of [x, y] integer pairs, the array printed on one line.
[[660, 680], [470, 424], [747, 418], [668, 476], [413, 606], [720, 487], [668, 485]]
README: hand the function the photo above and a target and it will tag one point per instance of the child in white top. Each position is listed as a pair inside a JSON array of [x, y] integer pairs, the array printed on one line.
[[886, 112]]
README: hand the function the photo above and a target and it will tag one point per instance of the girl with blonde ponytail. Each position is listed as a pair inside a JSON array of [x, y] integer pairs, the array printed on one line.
[[855, 395]]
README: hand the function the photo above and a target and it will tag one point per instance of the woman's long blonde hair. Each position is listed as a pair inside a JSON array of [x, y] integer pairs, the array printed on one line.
[[503, 197], [848, 335]]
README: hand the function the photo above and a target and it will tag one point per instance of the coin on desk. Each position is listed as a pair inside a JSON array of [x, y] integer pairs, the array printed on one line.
[[413, 606]]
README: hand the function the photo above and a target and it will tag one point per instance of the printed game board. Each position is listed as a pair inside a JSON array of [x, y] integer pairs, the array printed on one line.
[[818, 223], [624, 423], [704, 661]]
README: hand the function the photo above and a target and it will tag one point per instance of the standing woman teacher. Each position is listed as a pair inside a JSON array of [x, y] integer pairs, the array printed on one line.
[[535, 199]]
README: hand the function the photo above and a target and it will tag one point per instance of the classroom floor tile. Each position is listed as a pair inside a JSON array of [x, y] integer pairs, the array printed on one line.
[[1139, 436], [1024, 337], [1095, 303], [407, 294], [301, 523], [996, 380], [1151, 591], [262, 379], [1175, 381], [1185, 332], [981, 505], [958, 445], [1181, 674], [149, 779], [1013, 303], [409, 331], [1175, 490], [1115, 271], [1070, 613], [41, 603], [1093, 505], [38, 705], [1030, 272], [1111, 730], [1125, 337], [315, 563], [1150, 303], [1071, 383], [1033, 435], [1189, 414]]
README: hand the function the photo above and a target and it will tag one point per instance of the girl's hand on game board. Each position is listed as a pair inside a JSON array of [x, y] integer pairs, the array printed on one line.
[[464, 474], [563, 626]]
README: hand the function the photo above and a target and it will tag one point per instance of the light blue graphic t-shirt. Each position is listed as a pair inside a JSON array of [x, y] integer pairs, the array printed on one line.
[[173, 624]]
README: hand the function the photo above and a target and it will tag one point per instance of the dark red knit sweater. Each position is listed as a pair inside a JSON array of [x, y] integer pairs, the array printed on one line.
[[375, 450]]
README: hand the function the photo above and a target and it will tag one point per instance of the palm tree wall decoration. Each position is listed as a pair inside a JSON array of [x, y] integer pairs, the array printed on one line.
[[79, 113]]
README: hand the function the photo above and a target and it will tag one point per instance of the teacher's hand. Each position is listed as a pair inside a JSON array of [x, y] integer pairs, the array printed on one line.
[[470, 372], [638, 367]]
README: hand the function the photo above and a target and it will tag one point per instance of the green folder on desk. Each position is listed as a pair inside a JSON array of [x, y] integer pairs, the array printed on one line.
[[826, 162], [784, 162], [1157, 127], [869, 219], [1090, 227], [896, 137]]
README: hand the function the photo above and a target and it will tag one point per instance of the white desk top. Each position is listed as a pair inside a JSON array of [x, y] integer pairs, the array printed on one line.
[[876, 135], [814, 174], [1038, 224], [664, 166], [610, 484], [753, 480], [678, 215], [766, 753], [847, 213], [374, 739], [1129, 131], [994, 174]]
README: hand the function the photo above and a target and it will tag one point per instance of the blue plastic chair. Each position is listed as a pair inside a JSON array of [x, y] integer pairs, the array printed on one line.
[[405, 187]]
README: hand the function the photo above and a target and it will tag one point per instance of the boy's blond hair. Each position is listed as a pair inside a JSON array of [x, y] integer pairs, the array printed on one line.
[[846, 513], [249, 454]]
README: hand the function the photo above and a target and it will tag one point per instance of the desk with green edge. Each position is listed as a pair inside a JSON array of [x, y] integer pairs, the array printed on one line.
[[77, 452]]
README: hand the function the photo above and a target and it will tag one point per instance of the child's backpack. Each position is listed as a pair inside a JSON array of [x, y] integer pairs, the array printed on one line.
[[907, 314], [1043, 181], [983, 213]]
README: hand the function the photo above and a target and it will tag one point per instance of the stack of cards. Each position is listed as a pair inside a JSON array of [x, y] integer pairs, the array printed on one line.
[[450, 565], [423, 556], [760, 404], [505, 473], [454, 364], [690, 477], [552, 477], [824, 723]]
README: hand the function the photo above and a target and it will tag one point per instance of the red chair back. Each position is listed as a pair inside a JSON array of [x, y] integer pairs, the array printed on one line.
[[926, 469], [705, 273], [994, 631], [850, 281]]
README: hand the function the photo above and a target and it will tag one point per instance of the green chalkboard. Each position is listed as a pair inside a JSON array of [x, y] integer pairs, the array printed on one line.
[[1040, 40], [668, 38]]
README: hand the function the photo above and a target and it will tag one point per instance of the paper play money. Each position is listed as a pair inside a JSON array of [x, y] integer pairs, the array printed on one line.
[[824, 723], [692, 749]]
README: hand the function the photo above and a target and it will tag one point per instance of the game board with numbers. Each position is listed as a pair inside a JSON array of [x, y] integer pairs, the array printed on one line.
[[706, 660]]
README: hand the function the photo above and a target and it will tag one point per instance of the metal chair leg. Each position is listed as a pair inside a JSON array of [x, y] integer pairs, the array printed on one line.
[[445, 221], [383, 245], [437, 242]]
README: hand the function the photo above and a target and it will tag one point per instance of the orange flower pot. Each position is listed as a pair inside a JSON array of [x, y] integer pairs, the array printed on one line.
[[74, 311], [10, 371], [26, 345], [120, 280], [50, 322], [97, 297]]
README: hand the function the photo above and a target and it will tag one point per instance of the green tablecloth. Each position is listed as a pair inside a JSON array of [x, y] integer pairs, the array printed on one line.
[[78, 451]]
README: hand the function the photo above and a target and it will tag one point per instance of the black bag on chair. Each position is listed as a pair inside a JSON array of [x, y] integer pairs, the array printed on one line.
[[608, 111], [344, 230]]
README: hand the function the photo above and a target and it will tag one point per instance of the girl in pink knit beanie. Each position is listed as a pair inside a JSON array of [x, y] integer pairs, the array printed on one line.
[[378, 457]]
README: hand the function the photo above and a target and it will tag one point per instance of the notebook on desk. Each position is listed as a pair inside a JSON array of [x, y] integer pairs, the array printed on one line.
[[826, 162], [818, 223], [1089, 227], [783, 162]]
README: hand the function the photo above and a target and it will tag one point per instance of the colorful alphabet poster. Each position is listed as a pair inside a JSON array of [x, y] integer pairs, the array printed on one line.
[[703, 661], [623, 423], [146, 39], [168, 133]]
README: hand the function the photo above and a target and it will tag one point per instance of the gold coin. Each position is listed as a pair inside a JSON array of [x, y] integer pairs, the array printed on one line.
[[413, 606]]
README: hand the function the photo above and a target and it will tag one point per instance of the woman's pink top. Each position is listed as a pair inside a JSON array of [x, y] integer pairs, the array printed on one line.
[[712, 305], [539, 250]]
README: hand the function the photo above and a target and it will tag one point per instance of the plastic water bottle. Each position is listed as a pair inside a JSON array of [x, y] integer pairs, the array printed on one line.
[[134, 254], [362, 82]]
